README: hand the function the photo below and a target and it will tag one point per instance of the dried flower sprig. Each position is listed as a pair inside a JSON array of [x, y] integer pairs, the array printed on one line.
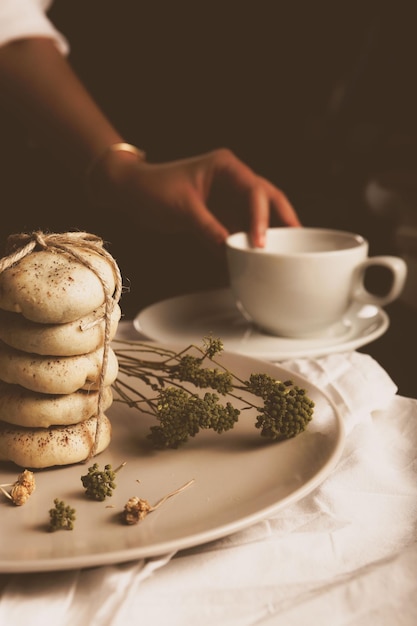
[[283, 409], [136, 509], [61, 516], [21, 489], [100, 484]]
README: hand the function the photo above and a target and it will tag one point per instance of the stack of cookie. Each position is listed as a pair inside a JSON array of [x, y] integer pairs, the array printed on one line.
[[52, 372]]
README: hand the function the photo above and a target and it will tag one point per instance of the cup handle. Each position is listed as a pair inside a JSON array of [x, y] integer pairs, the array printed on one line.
[[398, 268]]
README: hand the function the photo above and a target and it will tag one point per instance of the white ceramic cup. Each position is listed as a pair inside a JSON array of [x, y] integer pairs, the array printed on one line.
[[305, 279]]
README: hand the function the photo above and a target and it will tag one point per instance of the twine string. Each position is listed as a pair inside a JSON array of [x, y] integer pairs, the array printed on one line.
[[21, 245]]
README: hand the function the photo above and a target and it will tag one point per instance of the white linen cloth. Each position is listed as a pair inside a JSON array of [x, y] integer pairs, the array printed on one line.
[[345, 554]]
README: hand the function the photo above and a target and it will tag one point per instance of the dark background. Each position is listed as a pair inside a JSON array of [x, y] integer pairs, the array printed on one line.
[[261, 78]]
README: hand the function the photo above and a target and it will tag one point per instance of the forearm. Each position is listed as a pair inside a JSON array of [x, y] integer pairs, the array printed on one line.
[[38, 86]]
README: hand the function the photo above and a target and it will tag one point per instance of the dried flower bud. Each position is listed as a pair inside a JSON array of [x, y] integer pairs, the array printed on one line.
[[21, 489], [135, 510], [27, 480], [19, 494]]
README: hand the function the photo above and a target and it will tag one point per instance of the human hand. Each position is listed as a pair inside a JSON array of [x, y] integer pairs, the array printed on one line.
[[211, 194]]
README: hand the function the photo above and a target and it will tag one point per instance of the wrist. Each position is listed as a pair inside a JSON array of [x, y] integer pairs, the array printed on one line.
[[111, 168]]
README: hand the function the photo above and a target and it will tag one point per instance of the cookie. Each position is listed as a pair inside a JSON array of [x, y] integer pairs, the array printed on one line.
[[22, 407], [51, 287], [74, 338], [39, 448], [56, 375]]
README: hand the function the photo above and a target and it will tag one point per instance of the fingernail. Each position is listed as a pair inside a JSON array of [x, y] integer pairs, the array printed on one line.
[[259, 240]]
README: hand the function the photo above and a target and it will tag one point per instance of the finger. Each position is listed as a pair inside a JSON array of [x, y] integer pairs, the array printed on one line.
[[282, 206], [201, 218], [259, 212], [242, 177]]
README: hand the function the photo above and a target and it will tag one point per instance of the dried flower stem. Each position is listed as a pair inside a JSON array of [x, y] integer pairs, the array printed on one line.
[[193, 391], [4, 492], [136, 509], [169, 495]]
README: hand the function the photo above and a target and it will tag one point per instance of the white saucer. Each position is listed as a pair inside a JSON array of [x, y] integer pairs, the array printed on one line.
[[187, 319]]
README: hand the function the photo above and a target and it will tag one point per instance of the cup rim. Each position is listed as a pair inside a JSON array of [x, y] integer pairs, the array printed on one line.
[[357, 241]]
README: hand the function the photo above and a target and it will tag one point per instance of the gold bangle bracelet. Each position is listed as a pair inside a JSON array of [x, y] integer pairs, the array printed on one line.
[[115, 147]]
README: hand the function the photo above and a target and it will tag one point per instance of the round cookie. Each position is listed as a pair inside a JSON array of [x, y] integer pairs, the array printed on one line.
[[52, 287], [73, 338], [39, 448], [56, 375], [22, 407]]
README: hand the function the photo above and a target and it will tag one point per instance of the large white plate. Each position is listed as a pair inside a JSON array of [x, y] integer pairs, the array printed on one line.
[[238, 480], [190, 317]]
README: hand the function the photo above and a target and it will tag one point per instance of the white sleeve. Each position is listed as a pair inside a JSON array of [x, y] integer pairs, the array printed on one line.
[[20, 19]]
